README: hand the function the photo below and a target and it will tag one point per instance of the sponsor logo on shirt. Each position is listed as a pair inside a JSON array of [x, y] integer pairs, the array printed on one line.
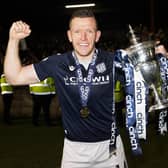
[[97, 80]]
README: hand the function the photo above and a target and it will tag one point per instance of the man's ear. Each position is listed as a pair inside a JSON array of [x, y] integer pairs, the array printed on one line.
[[98, 34], [69, 35]]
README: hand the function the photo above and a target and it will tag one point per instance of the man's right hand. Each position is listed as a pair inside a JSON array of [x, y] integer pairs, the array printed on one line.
[[19, 30]]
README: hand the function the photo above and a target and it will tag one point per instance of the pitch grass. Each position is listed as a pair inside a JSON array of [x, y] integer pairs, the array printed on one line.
[[24, 146]]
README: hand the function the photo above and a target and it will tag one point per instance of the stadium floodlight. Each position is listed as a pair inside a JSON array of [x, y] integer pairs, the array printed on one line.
[[80, 5]]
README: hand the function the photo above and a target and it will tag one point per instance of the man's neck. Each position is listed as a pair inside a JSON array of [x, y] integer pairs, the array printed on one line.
[[85, 60]]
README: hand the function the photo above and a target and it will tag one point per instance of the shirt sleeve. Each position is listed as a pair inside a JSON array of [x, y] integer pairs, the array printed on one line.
[[43, 68]]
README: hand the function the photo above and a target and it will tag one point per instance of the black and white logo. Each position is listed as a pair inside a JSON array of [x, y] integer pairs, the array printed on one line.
[[101, 67]]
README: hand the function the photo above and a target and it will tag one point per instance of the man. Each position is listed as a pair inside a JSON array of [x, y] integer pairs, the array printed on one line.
[[7, 97], [42, 94], [84, 80]]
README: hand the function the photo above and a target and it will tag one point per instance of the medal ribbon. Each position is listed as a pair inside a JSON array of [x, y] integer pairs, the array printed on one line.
[[85, 84]]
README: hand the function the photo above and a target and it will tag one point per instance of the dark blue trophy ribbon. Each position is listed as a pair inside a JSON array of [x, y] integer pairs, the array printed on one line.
[[130, 110], [163, 62], [112, 147], [124, 63]]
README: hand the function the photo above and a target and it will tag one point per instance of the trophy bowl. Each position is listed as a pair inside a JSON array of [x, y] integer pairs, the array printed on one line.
[[142, 56]]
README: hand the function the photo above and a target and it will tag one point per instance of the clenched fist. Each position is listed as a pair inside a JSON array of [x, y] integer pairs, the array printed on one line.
[[19, 30]]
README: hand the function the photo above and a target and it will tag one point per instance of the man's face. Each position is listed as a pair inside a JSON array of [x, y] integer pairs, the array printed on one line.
[[83, 34]]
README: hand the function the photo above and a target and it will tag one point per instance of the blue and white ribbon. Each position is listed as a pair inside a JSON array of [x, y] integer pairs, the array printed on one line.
[[131, 102], [84, 86], [140, 104], [112, 147], [163, 62]]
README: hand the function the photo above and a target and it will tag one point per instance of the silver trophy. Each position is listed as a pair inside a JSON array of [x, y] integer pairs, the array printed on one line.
[[142, 56]]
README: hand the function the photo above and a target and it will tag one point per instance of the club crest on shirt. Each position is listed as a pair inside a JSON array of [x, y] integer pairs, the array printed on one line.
[[71, 68], [101, 67]]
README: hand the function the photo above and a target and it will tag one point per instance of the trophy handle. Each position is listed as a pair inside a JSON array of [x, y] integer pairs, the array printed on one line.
[[156, 94], [159, 104]]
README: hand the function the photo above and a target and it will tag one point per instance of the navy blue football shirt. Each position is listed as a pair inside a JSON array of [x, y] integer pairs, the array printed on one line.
[[97, 126]]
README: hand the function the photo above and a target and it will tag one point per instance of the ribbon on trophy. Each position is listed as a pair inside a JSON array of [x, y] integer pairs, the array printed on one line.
[[85, 84], [135, 89], [140, 91], [163, 62], [112, 146], [131, 109]]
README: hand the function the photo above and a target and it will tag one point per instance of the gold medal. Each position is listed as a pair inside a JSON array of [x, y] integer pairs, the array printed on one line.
[[84, 112]]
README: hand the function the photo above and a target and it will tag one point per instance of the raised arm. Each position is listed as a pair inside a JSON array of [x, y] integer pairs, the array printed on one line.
[[15, 73]]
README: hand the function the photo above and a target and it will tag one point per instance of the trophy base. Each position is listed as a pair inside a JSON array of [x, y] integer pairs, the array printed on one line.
[[159, 106]]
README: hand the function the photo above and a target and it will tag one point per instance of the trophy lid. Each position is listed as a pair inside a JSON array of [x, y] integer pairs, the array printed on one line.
[[135, 40], [140, 52]]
